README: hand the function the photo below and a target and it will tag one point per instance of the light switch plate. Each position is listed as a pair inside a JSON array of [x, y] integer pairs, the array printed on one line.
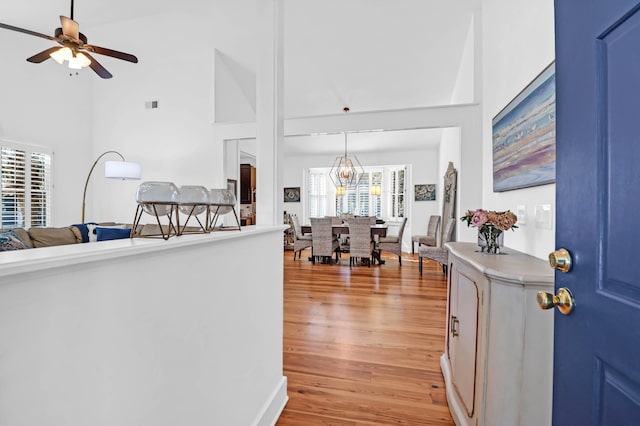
[[521, 212], [544, 216]]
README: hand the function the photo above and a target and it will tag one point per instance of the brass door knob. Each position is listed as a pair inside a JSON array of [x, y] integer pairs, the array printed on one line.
[[560, 260], [563, 301]]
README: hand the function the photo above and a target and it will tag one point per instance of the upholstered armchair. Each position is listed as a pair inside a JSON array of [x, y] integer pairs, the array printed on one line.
[[300, 240], [431, 238], [360, 245], [324, 243], [393, 243], [439, 254]]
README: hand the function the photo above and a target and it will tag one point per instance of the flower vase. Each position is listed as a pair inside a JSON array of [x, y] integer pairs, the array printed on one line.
[[490, 239]]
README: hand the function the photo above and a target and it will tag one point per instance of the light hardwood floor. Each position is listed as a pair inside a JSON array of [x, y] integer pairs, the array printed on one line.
[[362, 345]]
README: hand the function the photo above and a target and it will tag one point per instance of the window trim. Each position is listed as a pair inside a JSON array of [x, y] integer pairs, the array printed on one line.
[[386, 208], [30, 149]]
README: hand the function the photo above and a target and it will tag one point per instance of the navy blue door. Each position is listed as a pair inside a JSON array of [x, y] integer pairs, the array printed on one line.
[[597, 347]]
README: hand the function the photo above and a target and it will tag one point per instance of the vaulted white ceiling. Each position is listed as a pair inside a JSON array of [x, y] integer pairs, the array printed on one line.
[[366, 54], [372, 54]]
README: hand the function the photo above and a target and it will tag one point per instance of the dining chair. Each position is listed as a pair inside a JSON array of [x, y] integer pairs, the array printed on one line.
[[430, 239], [324, 242], [345, 217], [361, 244], [393, 243], [439, 254], [300, 241], [335, 220]]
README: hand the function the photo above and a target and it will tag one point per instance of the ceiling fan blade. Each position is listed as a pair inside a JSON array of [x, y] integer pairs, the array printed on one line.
[[99, 69], [22, 30], [112, 53], [42, 56], [70, 27]]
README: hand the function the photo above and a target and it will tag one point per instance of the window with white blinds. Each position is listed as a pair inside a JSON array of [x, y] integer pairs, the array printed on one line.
[[380, 193], [356, 198], [25, 187], [317, 191], [376, 199], [397, 192]]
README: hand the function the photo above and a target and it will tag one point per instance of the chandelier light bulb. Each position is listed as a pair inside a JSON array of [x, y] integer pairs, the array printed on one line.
[[345, 173]]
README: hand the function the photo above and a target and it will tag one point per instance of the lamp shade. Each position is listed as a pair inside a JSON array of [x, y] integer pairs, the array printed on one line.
[[122, 170]]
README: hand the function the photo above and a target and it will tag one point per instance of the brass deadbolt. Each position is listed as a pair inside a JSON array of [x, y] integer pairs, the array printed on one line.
[[560, 260]]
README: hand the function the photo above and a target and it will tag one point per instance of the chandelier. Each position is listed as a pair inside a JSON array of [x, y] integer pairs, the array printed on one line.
[[346, 170]]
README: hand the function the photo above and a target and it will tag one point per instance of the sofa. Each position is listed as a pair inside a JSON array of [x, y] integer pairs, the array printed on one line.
[[42, 237], [19, 238]]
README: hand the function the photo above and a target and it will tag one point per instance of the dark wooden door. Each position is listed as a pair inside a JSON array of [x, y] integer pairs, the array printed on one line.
[[245, 184], [597, 346]]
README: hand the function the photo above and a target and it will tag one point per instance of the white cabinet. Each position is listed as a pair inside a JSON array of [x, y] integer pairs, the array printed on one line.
[[498, 359], [462, 344]]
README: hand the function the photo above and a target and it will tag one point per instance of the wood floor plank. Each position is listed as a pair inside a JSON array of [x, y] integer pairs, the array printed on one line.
[[362, 345]]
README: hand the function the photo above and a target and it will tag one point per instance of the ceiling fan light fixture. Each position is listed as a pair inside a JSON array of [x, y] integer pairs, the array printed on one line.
[[61, 55], [73, 42], [79, 61]]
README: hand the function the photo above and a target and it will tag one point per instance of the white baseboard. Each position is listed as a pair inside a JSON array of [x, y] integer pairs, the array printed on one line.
[[455, 410], [274, 406]]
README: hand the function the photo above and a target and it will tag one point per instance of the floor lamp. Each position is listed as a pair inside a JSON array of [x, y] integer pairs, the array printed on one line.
[[114, 170]]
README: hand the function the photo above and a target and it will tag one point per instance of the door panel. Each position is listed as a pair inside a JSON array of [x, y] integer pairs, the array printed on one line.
[[464, 376], [619, 396], [597, 347], [618, 79]]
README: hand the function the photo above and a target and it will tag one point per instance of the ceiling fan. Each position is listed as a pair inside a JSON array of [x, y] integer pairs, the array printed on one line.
[[74, 50]]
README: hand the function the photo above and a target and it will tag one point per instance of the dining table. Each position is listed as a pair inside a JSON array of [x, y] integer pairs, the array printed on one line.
[[377, 230]]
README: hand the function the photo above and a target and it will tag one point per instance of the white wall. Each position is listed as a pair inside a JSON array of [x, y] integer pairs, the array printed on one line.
[[423, 169], [235, 90], [42, 105], [173, 142], [144, 332], [518, 43], [464, 89]]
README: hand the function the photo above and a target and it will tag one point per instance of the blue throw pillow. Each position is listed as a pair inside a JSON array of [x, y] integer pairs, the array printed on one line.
[[105, 234], [9, 241], [84, 230]]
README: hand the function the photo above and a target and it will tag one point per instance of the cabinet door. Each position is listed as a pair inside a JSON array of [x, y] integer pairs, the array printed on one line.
[[463, 337]]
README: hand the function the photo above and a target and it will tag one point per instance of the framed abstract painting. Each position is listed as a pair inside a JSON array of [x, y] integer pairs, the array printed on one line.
[[292, 195], [524, 136], [425, 192]]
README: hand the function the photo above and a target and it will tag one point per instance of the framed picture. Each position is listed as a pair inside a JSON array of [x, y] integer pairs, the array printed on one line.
[[524, 136], [292, 195], [232, 185], [425, 192]]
